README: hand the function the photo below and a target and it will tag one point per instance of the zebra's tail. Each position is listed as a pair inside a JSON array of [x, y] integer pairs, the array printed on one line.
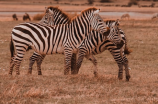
[[127, 51], [12, 48]]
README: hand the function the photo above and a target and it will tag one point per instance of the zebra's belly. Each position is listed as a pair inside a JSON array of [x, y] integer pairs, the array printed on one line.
[[99, 49], [49, 49]]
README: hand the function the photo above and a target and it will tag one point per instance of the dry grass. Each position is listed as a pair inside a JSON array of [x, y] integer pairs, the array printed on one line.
[[55, 88]]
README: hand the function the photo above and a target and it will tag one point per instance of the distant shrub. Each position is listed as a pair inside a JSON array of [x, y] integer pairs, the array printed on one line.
[[133, 2], [103, 1], [90, 1], [38, 16]]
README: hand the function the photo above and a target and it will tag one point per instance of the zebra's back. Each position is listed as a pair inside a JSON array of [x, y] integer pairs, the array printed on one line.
[[43, 39]]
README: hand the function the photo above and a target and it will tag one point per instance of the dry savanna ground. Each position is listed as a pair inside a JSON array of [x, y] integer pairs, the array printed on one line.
[[53, 87]]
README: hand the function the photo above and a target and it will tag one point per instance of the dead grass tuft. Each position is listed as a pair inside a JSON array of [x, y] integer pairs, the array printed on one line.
[[35, 92]]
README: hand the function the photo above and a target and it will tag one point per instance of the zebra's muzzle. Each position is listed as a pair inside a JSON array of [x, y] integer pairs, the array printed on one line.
[[120, 44]]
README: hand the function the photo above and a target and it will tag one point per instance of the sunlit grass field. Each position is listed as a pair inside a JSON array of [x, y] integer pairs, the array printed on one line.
[[53, 87]]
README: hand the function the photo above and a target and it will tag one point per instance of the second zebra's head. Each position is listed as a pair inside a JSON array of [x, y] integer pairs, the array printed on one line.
[[114, 35], [48, 18], [95, 20]]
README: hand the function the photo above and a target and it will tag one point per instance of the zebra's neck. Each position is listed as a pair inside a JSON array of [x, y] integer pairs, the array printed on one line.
[[78, 29], [60, 17]]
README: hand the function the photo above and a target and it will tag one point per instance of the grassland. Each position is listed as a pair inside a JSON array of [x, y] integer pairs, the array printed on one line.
[[55, 88]]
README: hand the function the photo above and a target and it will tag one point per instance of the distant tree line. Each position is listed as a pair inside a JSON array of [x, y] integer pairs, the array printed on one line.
[[131, 2]]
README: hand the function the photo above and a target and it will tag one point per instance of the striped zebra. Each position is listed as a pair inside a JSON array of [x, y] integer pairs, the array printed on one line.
[[97, 50], [96, 43], [47, 40], [53, 16]]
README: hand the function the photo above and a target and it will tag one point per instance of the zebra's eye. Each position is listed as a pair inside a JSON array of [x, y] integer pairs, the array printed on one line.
[[100, 20]]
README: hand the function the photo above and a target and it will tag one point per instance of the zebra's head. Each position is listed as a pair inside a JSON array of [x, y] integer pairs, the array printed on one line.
[[59, 16], [115, 35], [48, 18], [95, 20]]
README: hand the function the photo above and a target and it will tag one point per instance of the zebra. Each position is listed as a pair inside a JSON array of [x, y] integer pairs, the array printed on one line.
[[26, 16], [155, 16], [124, 16], [97, 51], [53, 16], [96, 43], [15, 17], [57, 39]]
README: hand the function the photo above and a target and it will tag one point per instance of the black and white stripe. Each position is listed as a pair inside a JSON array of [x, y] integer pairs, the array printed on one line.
[[96, 43], [106, 45], [63, 38], [53, 16]]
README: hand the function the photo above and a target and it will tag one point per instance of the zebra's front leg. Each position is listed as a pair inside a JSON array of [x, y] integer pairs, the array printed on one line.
[[79, 61], [94, 61], [115, 52], [68, 55], [33, 58], [39, 62], [74, 69]]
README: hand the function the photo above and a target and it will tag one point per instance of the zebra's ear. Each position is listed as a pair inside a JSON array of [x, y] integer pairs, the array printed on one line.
[[51, 11], [96, 11], [117, 22]]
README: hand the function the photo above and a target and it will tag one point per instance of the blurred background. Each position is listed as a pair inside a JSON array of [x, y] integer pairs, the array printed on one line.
[[110, 9]]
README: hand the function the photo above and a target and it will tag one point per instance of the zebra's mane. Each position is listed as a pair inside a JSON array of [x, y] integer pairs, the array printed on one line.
[[84, 11], [89, 9], [65, 15], [109, 21]]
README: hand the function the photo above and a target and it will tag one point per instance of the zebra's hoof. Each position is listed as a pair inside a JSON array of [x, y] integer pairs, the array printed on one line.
[[66, 72], [29, 72], [9, 73], [74, 72], [96, 74], [40, 73], [120, 77], [128, 77], [17, 73]]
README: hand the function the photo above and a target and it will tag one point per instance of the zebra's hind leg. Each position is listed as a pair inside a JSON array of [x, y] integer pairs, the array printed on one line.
[[120, 72], [39, 62], [127, 70], [94, 61], [17, 62], [32, 60], [11, 66]]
